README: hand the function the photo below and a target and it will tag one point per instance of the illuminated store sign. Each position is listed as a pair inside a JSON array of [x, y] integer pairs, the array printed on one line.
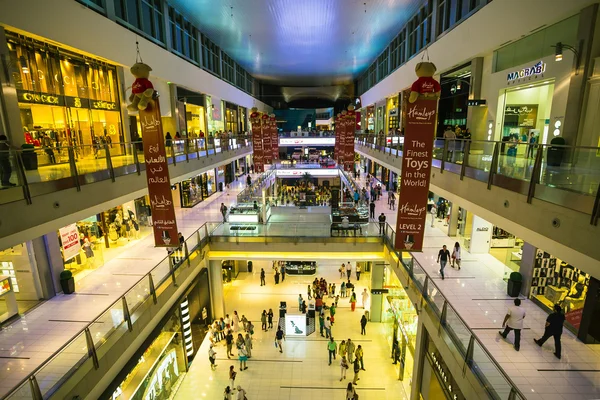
[[316, 141], [30, 97], [300, 172], [533, 71], [104, 105]]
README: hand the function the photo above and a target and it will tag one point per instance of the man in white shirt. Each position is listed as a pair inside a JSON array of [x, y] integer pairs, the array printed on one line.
[[365, 299], [514, 320]]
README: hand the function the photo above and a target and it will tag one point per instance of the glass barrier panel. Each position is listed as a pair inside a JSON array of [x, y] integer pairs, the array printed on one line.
[[43, 165], [177, 147], [581, 174], [92, 158], [458, 329], [480, 155], [419, 274], [192, 242], [62, 365], [137, 294], [489, 373], [21, 392], [161, 272], [435, 297], [106, 323], [514, 163]]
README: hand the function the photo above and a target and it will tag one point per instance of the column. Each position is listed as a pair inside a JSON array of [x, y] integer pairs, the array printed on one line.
[[215, 282], [481, 236], [453, 224], [376, 283], [526, 267], [48, 262], [419, 358], [10, 120]]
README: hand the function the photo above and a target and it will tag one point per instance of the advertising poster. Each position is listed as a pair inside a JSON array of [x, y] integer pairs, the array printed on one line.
[[164, 224], [69, 237], [295, 325], [266, 139], [274, 137], [257, 143], [416, 169]]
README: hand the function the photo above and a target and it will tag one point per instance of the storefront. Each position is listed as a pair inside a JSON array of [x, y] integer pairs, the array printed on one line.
[[532, 100], [18, 263], [192, 113], [214, 106], [393, 115], [197, 189], [243, 121], [65, 99], [436, 380], [400, 320], [452, 110], [370, 119], [380, 115], [90, 243], [231, 118]]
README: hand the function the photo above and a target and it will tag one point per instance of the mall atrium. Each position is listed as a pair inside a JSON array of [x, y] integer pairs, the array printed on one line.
[[307, 199]]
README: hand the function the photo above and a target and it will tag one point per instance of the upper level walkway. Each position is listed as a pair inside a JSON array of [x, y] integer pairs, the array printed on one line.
[[551, 203]]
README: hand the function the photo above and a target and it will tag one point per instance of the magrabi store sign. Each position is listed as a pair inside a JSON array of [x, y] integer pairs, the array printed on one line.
[[533, 71]]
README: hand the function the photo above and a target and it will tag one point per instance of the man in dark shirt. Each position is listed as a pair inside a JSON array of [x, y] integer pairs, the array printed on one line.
[[554, 327], [381, 223], [442, 258], [372, 209]]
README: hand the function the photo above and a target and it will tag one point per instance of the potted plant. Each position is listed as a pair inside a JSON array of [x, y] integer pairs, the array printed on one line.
[[515, 281], [67, 282], [555, 154], [29, 157]]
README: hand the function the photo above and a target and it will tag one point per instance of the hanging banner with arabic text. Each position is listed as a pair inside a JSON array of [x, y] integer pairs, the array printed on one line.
[[336, 131], [164, 223], [257, 144], [266, 139], [274, 138], [416, 172], [349, 142]]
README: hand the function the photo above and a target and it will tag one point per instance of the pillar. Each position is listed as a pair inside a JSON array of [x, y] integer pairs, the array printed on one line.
[[10, 116], [526, 267], [481, 236], [453, 223], [377, 273], [215, 282], [48, 263], [419, 358]]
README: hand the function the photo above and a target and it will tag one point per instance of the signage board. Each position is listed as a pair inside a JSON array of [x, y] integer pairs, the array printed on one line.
[[315, 172], [295, 325], [476, 102], [69, 237], [258, 158], [416, 173], [308, 141], [533, 71], [164, 223]]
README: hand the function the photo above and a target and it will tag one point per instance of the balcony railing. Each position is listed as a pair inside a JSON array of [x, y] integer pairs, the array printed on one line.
[[91, 342], [44, 170], [534, 170]]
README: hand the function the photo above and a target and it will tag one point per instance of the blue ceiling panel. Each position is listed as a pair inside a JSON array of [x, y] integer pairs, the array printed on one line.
[[301, 42]]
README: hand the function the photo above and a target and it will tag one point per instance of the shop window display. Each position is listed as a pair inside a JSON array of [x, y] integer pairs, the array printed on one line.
[[15, 263], [159, 369], [557, 282], [197, 189], [65, 100]]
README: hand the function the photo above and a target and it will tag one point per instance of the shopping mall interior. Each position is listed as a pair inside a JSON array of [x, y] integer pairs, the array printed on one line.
[[325, 199]]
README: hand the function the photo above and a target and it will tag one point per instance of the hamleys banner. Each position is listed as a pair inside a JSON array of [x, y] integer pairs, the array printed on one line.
[[416, 171], [274, 137], [164, 223], [257, 143]]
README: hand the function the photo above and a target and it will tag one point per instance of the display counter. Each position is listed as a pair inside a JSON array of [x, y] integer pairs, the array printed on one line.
[[245, 213], [355, 214], [301, 267], [7, 296]]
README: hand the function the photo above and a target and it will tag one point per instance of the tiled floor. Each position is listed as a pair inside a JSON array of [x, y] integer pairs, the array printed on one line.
[[28, 342], [302, 371]]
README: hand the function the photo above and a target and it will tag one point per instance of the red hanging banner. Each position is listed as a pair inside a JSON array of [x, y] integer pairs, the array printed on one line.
[[274, 137], [336, 131], [266, 138], [349, 143], [257, 143], [421, 122], [164, 223]]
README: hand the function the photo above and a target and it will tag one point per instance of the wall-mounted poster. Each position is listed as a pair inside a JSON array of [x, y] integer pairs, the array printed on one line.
[[521, 115]]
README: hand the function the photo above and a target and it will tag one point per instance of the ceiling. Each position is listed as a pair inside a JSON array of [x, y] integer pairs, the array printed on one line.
[[301, 42]]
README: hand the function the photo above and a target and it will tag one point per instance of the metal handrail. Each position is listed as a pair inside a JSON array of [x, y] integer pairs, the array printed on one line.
[[423, 292], [120, 299]]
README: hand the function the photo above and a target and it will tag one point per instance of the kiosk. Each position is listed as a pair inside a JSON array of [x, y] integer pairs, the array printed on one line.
[[7, 295]]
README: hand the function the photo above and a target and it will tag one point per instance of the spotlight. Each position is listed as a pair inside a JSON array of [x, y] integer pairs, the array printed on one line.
[[558, 52]]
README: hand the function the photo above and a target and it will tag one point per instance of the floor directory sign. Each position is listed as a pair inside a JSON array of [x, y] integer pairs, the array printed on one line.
[[416, 170], [157, 175]]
